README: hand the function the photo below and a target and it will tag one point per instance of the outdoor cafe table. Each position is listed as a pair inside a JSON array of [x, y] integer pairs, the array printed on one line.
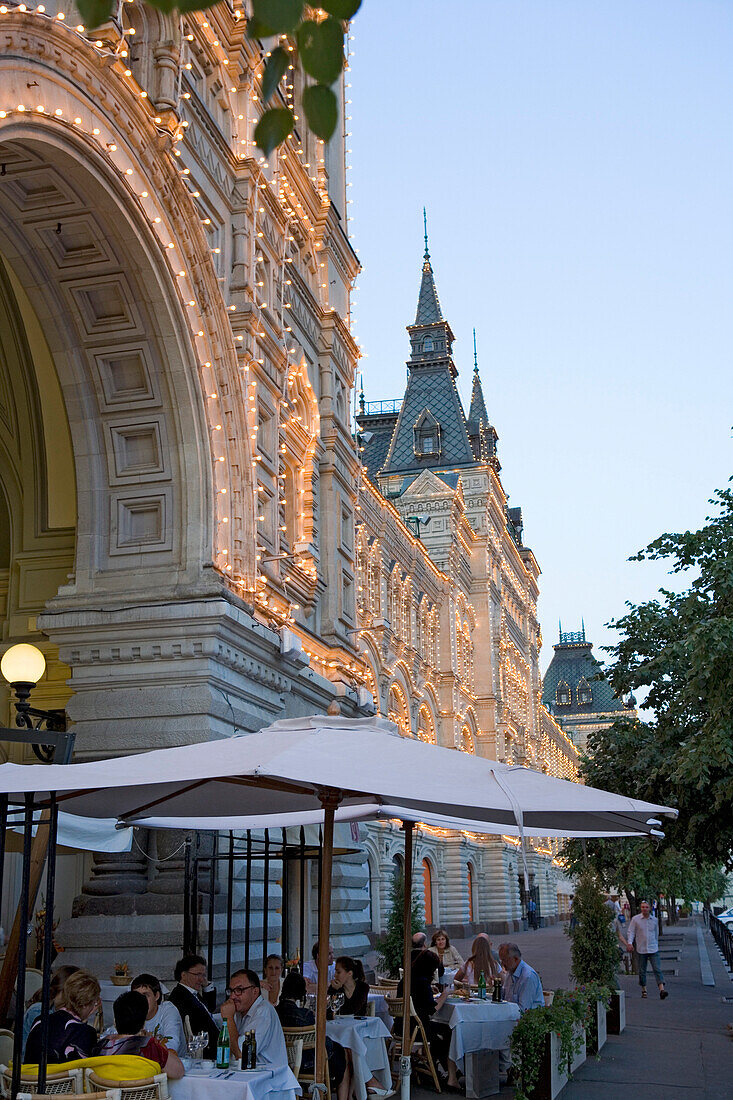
[[478, 1026], [266, 1083], [364, 1036]]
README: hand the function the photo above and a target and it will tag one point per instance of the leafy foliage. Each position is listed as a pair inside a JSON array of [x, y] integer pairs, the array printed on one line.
[[317, 44], [679, 648], [529, 1039], [594, 946], [391, 945]]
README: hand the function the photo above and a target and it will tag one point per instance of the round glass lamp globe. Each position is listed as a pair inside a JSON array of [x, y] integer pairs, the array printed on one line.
[[22, 664]]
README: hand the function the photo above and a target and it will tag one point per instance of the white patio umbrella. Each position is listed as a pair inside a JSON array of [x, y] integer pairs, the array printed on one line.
[[316, 765]]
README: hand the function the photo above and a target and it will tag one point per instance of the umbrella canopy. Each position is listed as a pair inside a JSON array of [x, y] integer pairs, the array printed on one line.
[[286, 768]]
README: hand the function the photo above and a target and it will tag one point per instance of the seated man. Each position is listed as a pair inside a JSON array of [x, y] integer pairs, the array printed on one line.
[[130, 1012], [188, 997], [522, 984], [247, 1010], [310, 968]]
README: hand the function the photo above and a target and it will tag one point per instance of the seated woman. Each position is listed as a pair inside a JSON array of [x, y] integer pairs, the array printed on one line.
[[482, 958], [69, 1035], [130, 1010], [33, 1008], [291, 1013], [448, 955], [348, 978], [272, 978], [163, 1020]]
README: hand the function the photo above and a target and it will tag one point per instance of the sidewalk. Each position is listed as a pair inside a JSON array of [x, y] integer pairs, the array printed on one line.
[[676, 1049]]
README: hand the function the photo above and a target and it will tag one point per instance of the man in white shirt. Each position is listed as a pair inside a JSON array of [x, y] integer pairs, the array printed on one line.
[[310, 968], [522, 984], [644, 930], [246, 1010]]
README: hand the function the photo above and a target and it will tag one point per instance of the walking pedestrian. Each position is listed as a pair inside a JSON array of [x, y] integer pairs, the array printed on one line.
[[644, 930]]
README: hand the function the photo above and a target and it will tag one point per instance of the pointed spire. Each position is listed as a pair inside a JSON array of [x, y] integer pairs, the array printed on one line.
[[428, 306], [361, 394], [477, 413]]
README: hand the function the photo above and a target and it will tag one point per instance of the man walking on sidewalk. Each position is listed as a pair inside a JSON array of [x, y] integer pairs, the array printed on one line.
[[644, 929]]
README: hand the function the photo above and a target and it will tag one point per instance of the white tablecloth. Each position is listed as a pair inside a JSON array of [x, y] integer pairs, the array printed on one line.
[[477, 1025], [265, 1084], [365, 1039]]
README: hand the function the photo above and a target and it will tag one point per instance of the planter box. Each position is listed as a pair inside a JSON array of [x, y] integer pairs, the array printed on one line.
[[616, 1015], [596, 1036], [553, 1075]]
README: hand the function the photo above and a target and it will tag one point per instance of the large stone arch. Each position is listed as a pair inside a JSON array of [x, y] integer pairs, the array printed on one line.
[[102, 245]]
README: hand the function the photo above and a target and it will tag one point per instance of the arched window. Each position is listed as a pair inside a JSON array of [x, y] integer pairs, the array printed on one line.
[[425, 727], [562, 695], [470, 884], [428, 344], [467, 744], [585, 695], [398, 712], [427, 882], [398, 865]]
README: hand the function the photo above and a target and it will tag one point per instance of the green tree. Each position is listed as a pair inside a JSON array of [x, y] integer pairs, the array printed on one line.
[[594, 946], [679, 649], [391, 945]]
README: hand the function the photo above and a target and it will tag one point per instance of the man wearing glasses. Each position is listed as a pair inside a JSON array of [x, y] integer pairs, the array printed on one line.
[[188, 997], [246, 1010]]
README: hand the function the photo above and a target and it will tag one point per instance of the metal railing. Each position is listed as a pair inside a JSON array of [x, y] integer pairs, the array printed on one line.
[[378, 408], [723, 936]]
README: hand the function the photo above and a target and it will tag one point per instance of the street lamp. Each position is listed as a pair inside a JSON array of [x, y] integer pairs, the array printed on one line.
[[23, 666]]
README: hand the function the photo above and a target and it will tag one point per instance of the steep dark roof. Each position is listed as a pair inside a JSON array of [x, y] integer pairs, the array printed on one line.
[[428, 306], [477, 413], [572, 662], [432, 387]]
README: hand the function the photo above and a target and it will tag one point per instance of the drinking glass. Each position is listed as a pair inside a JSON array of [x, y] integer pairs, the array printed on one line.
[[337, 1002]]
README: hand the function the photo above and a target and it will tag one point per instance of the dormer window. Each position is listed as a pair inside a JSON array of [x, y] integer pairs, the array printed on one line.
[[426, 435], [428, 344], [562, 695], [585, 695]]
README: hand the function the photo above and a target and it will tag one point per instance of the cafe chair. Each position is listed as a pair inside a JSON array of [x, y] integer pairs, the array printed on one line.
[[294, 1048], [187, 1030], [33, 981], [109, 1094], [66, 1081], [383, 984], [7, 1040], [146, 1088], [307, 1036], [418, 1048]]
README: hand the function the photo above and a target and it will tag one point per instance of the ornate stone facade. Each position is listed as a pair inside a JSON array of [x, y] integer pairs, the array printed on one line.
[[448, 614]]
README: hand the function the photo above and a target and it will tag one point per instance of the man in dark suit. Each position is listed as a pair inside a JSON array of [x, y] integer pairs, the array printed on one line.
[[188, 997]]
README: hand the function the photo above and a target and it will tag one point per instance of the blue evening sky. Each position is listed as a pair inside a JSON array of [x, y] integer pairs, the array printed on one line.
[[576, 161]]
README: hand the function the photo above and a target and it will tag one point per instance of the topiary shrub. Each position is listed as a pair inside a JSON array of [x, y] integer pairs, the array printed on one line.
[[594, 945], [391, 945]]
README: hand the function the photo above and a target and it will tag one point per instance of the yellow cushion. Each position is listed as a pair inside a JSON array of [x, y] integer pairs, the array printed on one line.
[[112, 1067]]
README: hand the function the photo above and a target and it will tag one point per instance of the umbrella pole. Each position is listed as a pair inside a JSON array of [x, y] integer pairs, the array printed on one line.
[[329, 802], [405, 1063]]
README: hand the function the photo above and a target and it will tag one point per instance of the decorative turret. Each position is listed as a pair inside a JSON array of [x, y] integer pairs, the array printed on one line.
[[482, 434]]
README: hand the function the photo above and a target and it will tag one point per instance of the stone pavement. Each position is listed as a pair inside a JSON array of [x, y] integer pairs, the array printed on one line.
[[676, 1049]]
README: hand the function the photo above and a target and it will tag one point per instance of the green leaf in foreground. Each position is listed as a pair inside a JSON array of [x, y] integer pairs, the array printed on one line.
[[321, 47], [280, 16], [341, 9], [321, 110], [95, 12], [275, 70], [273, 128]]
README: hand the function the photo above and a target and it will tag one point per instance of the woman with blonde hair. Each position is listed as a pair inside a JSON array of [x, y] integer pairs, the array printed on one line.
[[69, 1034], [448, 955], [481, 959]]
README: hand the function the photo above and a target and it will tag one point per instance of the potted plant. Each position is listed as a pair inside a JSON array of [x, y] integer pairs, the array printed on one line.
[[595, 948], [590, 1003], [391, 945], [120, 974], [547, 1045]]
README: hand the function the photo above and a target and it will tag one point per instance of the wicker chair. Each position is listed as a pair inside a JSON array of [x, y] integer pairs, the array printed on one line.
[[67, 1081], [418, 1047], [110, 1094], [294, 1048], [146, 1088], [33, 981], [307, 1037], [7, 1040], [385, 985]]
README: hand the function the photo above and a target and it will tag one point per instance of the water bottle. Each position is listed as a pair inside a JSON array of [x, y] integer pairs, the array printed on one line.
[[482, 986], [222, 1048]]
